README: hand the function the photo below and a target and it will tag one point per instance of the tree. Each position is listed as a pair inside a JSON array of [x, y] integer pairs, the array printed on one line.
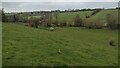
[[4, 18], [0, 15], [78, 20], [50, 20], [15, 18], [56, 18], [34, 22], [25, 17], [112, 22]]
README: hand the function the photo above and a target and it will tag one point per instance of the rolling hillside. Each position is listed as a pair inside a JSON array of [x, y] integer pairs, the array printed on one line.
[[101, 17], [69, 16], [26, 46]]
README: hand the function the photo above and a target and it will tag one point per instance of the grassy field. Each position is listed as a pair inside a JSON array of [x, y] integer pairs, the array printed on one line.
[[26, 46], [0, 44], [69, 16], [34, 17], [101, 17]]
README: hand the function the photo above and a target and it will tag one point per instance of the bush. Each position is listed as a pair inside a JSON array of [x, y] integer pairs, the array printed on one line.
[[94, 24], [70, 24], [34, 22], [63, 23], [87, 16], [26, 24]]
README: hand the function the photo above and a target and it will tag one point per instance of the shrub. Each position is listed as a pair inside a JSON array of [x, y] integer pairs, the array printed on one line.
[[34, 22], [87, 16], [70, 24], [63, 23], [94, 24], [26, 24]]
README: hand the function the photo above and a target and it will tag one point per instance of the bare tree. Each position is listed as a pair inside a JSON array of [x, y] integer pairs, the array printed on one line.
[[112, 22], [56, 18], [4, 18], [78, 20]]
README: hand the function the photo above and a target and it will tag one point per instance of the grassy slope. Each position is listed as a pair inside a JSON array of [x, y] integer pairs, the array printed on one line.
[[0, 43], [69, 16], [29, 46], [101, 17], [34, 17]]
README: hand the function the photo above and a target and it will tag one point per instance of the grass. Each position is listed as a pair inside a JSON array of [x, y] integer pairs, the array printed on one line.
[[101, 17], [0, 44], [69, 16], [26, 46], [34, 17]]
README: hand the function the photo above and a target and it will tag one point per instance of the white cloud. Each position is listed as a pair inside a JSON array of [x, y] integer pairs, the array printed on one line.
[[60, 0]]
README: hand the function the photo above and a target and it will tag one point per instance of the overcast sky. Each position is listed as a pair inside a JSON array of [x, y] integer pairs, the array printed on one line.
[[43, 5], [59, 0], [0, 4]]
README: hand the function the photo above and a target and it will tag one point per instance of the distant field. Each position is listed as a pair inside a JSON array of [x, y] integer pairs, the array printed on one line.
[[101, 17], [34, 17], [26, 46], [69, 16]]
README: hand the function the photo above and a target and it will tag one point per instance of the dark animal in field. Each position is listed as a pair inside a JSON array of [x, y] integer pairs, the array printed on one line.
[[112, 42]]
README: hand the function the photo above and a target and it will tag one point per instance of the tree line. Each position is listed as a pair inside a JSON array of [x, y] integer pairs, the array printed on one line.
[[52, 19]]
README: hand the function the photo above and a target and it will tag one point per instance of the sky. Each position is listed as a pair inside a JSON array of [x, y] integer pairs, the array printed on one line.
[[59, 0], [0, 5], [46, 5]]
